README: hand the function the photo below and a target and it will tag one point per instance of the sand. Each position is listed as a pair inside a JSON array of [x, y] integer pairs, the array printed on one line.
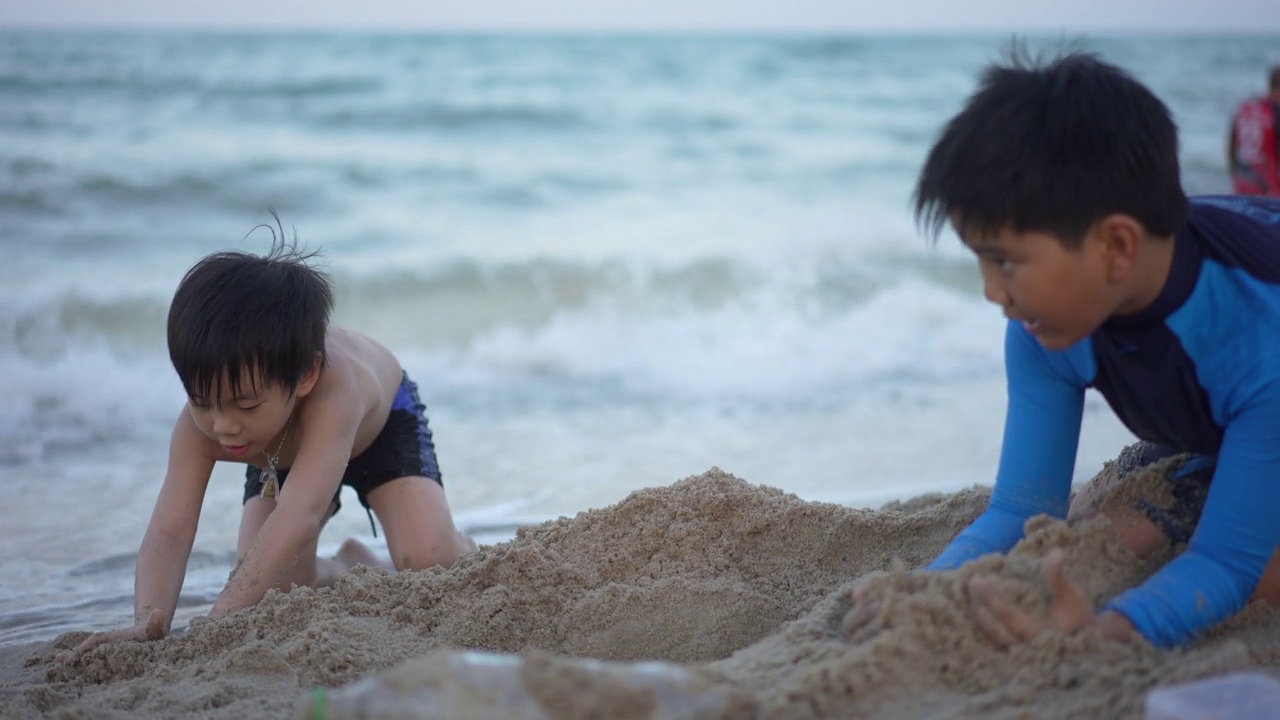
[[741, 590]]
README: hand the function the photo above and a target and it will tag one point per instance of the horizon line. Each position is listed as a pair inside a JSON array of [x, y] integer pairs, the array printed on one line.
[[1038, 30]]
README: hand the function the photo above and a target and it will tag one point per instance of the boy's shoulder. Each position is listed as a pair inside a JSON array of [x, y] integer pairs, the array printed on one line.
[[344, 344], [358, 367], [1263, 210], [1235, 232], [1224, 291]]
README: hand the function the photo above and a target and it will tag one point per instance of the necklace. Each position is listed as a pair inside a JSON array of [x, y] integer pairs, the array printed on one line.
[[271, 481]]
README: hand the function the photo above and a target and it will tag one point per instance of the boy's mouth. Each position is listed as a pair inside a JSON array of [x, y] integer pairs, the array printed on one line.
[[235, 449], [1031, 325]]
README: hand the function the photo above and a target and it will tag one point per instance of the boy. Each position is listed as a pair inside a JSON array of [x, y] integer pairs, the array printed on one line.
[[1063, 179], [272, 385]]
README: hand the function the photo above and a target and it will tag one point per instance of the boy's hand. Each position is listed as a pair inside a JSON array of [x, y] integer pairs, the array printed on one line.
[[859, 617], [1069, 610], [872, 595], [152, 628]]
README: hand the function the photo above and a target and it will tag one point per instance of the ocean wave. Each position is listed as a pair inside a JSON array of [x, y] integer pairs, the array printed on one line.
[[832, 48], [317, 87], [242, 190], [457, 301], [453, 117], [75, 370], [29, 201], [463, 299], [117, 188], [110, 86], [95, 78]]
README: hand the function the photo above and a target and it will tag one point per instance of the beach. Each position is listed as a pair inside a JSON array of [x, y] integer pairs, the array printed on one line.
[[742, 587], [608, 263], [611, 264]]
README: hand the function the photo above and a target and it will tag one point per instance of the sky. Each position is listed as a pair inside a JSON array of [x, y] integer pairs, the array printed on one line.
[[644, 15]]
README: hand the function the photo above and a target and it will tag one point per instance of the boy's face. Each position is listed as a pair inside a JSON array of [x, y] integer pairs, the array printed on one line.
[[1059, 294], [249, 421]]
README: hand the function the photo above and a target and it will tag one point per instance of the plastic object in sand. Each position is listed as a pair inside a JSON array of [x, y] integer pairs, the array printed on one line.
[[532, 686], [1237, 696]]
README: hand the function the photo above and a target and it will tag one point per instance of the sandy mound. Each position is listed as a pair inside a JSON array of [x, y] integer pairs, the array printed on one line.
[[744, 586]]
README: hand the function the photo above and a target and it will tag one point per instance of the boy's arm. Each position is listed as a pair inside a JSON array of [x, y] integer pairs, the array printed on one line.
[[1236, 537], [1037, 459], [301, 506], [166, 545]]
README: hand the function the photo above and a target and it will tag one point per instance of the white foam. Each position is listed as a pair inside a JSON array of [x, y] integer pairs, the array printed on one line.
[[763, 348]]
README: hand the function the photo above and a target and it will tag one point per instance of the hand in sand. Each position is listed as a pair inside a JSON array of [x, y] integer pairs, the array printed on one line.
[[859, 617], [152, 628], [1006, 625], [872, 595]]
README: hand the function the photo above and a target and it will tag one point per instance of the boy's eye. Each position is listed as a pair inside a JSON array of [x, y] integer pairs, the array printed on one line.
[[249, 408], [1000, 263]]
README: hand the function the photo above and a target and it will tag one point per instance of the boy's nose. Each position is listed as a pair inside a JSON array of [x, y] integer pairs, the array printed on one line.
[[224, 426], [994, 290]]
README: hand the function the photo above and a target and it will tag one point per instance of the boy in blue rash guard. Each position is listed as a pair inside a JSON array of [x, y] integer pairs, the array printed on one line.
[[1063, 179]]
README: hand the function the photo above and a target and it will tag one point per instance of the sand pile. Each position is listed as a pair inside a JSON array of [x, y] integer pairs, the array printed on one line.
[[744, 586]]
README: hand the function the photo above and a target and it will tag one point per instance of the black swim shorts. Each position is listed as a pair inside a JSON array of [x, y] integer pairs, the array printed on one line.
[[1188, 485], [404, 448]]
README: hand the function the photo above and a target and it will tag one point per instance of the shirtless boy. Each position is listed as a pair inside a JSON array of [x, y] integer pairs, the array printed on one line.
[[272, 385]]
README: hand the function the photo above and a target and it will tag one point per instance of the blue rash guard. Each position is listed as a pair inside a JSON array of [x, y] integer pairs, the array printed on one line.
[[1199, 371]]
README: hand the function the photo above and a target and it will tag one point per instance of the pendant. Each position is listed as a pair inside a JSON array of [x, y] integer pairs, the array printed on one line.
[[270, 483]]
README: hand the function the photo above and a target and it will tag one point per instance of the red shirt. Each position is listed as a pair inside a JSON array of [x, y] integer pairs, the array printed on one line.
[[1257, 164]]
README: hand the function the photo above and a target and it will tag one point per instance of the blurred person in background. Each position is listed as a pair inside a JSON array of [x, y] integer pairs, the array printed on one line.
[[1253, 154]]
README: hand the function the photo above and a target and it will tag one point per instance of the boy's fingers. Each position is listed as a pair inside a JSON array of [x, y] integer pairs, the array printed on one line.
[[155, 626], [1056, 576], [1008, 624], [86, 645], [103, 638], [153, 629], [94, 641], [996, 633], [1021, 624], [859, 616], [1069, 604]]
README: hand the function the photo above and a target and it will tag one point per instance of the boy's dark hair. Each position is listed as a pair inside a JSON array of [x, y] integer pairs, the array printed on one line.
[[1053, 148], [1275, 77], [234, 311]]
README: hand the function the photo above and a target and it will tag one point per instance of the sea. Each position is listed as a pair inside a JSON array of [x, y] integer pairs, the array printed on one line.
[[610, 261]]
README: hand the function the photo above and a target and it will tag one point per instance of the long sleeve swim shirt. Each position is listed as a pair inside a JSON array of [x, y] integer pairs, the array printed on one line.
[[1199, 371]]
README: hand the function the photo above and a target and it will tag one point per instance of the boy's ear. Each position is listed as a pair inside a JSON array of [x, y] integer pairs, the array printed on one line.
[[1119, 238], [309, 380]]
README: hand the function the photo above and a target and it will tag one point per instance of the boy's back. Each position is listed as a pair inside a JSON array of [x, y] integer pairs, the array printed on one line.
[[1177, 371]]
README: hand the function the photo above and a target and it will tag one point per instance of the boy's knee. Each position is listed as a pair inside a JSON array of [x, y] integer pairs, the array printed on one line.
[[1268, 589], [422, 561], [1152, 494], [1136, 532], [442, 555]]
